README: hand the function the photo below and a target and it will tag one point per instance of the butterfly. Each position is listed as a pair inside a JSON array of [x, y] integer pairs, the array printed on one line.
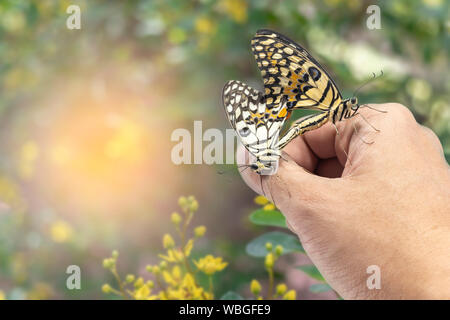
[[293, 79]]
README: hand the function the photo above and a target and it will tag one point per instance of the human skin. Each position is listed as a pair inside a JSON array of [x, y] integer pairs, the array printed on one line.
[[387, 205]]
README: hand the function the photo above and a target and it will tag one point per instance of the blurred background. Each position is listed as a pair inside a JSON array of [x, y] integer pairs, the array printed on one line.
[[86, 118]]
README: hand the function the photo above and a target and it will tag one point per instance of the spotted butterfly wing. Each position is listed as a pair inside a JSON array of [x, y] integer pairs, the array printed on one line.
[[291, 73], [257, 127]]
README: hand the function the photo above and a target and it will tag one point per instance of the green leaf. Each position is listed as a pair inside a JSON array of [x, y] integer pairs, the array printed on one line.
[[311, 271], [320, 287], [231, 295], [290, 243], [268, 218]]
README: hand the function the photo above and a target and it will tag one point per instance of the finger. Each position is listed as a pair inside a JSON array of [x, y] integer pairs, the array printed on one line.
[[292, 187]]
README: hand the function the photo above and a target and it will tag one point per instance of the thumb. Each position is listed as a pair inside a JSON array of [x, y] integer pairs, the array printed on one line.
[[295, 191]]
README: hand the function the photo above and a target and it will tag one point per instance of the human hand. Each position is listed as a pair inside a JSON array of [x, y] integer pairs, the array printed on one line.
[[389, 204]]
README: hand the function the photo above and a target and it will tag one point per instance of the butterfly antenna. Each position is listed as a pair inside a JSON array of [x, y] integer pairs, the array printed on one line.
[[374, 76]]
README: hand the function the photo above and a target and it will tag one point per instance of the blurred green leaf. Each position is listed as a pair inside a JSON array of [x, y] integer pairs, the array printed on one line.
[[311, 271], [231, 295], [268, 218], [320, 287], [290, 243]]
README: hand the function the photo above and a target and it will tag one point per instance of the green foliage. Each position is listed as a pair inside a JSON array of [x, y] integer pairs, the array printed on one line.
[[320, 287], [289, 242], [312, 271], [272, 218], [231, 295]]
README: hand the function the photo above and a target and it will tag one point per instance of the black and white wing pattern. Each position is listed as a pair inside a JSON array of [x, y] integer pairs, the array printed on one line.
[[257, 127]]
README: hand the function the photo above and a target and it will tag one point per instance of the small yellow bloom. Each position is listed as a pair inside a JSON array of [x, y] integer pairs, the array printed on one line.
[[281, 289], [182, 201], [115, 254], [168, 241], [269, 260], [194, 205], [129, 278], [60, 231], [163, 264], [139, 282], [269, 246], [290, 295], [172, 278], [269, 207], [210, 265], [205, 25], [261, 200], [143, 293], [236, 9], [108, 263], [278, 250], [175, 218], [172, 256], [200, 231], [2, 295], [156, 270], [255, 287], [106, 288]]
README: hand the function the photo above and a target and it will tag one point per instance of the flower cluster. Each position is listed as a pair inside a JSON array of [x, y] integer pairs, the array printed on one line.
[[281, 290], [175, 277]]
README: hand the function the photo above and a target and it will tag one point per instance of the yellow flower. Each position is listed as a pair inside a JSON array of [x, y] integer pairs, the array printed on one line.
[[2, 295], [108, 263], [205, 25], [129, 278], [269, 260], [281, 289], [139, 282], [236, 9], [200, 231], [290, 295], [210, 265], [186, 290], [278, 250], [269, 246], [255, 287], [175, 218], [60, 231], [106, 288], [269, 207], [172, 256], [261, 200], [143, 293], [168, 241], [173, 278]]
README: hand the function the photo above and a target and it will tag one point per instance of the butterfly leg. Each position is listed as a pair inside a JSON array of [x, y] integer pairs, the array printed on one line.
[[343, 149], [301, 126], [365, 120], [356, 132]]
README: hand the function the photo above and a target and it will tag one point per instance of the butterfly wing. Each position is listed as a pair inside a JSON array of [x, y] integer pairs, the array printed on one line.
[[291, 73], [257, 127]]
